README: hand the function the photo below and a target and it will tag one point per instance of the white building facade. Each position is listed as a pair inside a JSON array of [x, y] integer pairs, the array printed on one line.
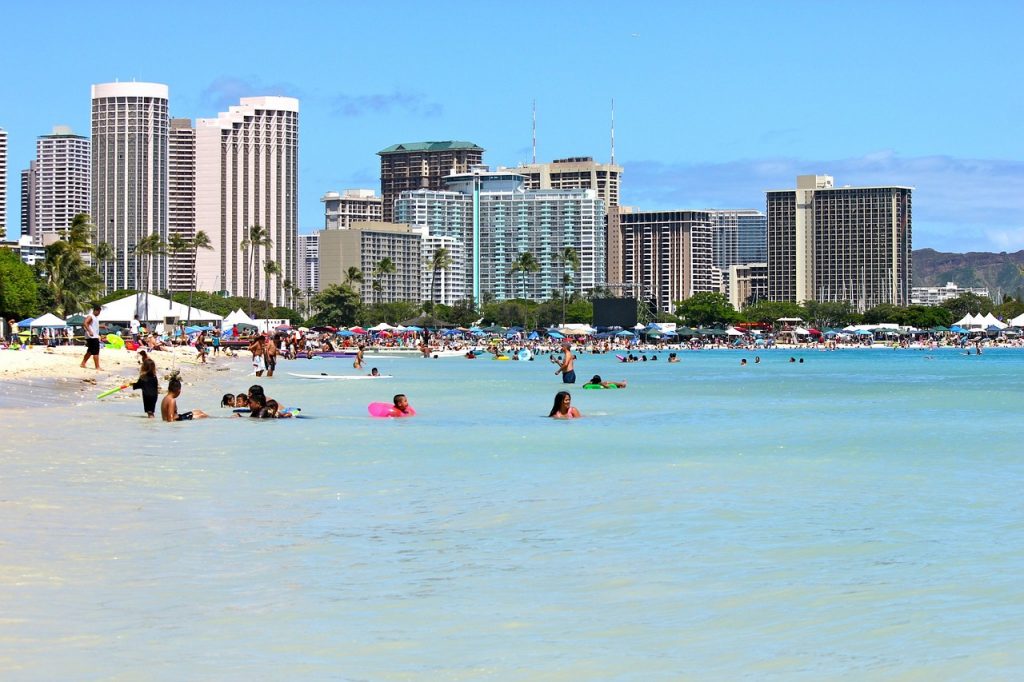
[[247, 175], [308, 277], [181, 200], [60, 182], [129, 180], [3, 183], [350, 206]]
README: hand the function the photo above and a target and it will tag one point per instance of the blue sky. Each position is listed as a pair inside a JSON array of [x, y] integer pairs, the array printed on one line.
[[714, 102]]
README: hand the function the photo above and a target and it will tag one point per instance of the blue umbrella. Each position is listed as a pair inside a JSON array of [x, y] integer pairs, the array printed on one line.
[[624, 333], [345, 332], [533, 336], [414, 328], [555, 335]]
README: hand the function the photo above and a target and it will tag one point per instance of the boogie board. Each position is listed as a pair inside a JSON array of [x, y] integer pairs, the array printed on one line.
[[340, 376]]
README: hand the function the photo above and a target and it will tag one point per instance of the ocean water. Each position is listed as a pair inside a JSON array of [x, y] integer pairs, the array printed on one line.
[[857, 516]]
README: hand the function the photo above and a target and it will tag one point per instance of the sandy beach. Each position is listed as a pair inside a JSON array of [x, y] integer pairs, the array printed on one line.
[[40, 376]]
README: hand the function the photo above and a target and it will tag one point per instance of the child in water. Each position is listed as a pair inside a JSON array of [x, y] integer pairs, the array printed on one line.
[[150, 387]]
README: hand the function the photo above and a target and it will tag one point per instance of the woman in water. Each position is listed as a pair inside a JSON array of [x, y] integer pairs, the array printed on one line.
[[149, 385], [563, 409]]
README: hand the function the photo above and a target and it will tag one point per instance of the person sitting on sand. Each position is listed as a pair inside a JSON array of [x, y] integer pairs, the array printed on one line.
[[563, 409], [169, 406], [596, 381]]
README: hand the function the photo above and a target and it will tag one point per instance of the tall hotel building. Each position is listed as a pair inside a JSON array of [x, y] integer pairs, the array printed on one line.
[[828, 243], [3, 183], [422, 165], [181, 200], [59, 181], [578, 172], [739, 237], [246, 175], [307, 277], [496, 219], [28, 199], [665, 255], [129, 179]]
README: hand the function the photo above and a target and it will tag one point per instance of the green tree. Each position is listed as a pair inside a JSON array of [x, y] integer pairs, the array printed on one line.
[[392, 313], [707, 309], [769, 312], [525, 264], [882, 313], [1010, 308], [440, 260], [200, 241], [69, 283], [385, 266], [926, 316], [271, 269], [146, 250], [828, 314], [258, 237], [19, 287], [462, 313], [176, 246], [567, 258], [968, 303], [337, 305]]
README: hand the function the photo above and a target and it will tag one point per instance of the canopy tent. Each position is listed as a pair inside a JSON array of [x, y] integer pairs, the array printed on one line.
[[1017, 321], [991, 320], [125, 309], [967, 321], [382, 327], [49, 320], [733, 331], [238, 317], [28, 321]]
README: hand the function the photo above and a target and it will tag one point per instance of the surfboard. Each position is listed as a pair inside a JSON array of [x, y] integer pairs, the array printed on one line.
[[339, 376]]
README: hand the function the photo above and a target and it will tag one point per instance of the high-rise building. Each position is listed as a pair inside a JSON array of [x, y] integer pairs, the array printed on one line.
[[352, 205], [496, 220], [422, 165], [667, 255], [3, 183], [129, 180], [28, 199], [445, 284], [61, 177], [577, 172], [747, 284], [247, 175], [181, 201], [828, 243], [739, 236], [308, 277], [364, 246]]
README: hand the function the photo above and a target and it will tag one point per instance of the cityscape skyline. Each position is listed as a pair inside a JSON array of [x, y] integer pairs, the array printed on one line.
[[709, 122]]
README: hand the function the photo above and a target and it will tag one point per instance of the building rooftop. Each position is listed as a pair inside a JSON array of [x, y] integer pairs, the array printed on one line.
[[429, 147]]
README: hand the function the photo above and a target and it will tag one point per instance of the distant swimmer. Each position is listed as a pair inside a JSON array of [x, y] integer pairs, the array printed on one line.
[[757, 359], [373, 373], [169, 406], [563, 409], [672, 357], [399, 407], [358, 364], [595, 381]]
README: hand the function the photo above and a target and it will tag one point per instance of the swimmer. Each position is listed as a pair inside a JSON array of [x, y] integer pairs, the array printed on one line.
[[757, 359], [563, 409], [401, 403], [227, 400], [596, 381], [743, 362], [672, 357], [373, 373], [241, 400], [169, 406]]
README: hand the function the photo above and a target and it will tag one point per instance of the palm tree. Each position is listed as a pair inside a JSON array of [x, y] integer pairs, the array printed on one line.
[[354, 276], [441, 260], [148, 248], [70, 281], [385, 266], [271, 269], [200, 241], [289, 293], [525, 264], [567, 256], [257, 237], [176, 245]]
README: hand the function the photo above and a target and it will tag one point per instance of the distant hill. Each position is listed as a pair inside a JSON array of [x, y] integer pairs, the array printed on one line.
[[1000, 272]]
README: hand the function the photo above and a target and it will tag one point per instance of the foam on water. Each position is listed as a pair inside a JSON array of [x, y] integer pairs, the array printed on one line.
[[856, 515]]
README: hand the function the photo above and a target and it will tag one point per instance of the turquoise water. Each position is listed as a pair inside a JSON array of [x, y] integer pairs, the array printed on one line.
[[857, 516]]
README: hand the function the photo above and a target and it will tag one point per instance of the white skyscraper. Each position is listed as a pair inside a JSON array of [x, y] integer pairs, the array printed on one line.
[[3, 183], [247, 175], [129, 179], [61, 177]]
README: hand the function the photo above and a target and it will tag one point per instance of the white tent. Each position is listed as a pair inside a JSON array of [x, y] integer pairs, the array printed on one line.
[[238, 317], [383, 326], [991, 320], [801, 331], [733, 331], [968, 320], [49, 320], [155, 310], [1017, 321]]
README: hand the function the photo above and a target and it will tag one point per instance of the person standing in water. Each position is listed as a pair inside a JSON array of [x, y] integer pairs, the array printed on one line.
[[149, 385], [567, 366]]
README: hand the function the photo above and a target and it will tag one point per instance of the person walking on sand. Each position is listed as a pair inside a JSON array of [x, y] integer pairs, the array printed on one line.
[[567, 366], [92, 337]]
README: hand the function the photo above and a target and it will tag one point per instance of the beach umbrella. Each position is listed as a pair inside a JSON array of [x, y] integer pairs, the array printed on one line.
[[413, 328], [555, 335], [357, 330], [533, 336], [345, 333], [494, 329], [624, 334], [76, 319]]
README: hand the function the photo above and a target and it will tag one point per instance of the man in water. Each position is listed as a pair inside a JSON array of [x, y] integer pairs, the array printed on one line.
[[169, 406], [270, 355], [567, 366], [92, 337], [401, 403]]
